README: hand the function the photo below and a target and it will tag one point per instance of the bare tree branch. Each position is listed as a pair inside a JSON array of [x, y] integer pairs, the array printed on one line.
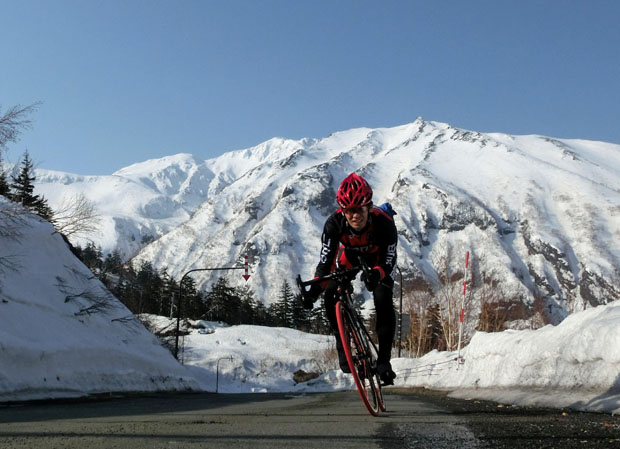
[[14, 120], [12, 220], [76, 216], [99, 300], [11, 225]]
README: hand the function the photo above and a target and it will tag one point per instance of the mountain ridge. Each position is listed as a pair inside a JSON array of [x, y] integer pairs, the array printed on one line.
[[542, 212]]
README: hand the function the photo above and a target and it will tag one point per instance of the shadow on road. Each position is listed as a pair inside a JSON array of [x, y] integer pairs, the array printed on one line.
[[138, 404]]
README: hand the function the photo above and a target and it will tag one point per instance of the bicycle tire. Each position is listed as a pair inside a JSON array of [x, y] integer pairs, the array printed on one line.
[[359, 357], [372, 352]]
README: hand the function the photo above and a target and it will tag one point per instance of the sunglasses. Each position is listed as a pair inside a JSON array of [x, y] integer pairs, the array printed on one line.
[[355, 210]]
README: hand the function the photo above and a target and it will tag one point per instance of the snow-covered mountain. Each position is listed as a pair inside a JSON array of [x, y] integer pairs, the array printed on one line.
[[137, 203], [542, 214], [148, 199]]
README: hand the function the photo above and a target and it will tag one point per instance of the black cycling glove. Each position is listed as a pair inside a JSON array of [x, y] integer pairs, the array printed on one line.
[[309, 297], [371, 280]]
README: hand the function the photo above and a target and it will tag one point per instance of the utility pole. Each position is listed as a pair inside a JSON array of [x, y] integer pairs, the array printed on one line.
[[400, 313]]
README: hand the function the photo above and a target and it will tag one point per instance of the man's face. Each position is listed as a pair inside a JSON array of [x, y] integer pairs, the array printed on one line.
[[357, 217]]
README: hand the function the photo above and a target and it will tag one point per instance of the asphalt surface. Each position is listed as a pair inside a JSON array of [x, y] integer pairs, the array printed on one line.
[[415, 419]]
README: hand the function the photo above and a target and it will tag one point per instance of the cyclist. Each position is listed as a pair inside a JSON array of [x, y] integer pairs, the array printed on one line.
[[358, 230]]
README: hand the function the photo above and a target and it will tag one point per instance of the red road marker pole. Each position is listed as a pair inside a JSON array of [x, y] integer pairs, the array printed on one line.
[[458, 357], [246, 276]]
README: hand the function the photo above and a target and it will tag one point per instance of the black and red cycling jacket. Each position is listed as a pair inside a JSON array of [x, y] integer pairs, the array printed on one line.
[[342, 245]]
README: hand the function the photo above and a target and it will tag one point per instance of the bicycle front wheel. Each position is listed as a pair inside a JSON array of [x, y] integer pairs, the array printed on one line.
[[359, 356]]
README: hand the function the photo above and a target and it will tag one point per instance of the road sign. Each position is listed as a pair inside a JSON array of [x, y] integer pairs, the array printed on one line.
[[405, 323]]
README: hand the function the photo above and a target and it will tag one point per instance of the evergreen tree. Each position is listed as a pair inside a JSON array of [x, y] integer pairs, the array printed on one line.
[[282, 310], [301, 317], [150, 286], [12, 122], [223, 303], [319, 323], [4, 184], [91, 257], [263, 317], [193, 305], [23, 190], [169, 293], [145, 273], [248, 312], [113, 262], [126, 288]]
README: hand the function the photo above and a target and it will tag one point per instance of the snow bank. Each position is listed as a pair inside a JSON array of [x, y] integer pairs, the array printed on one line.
[[575, 364], [62, 333]]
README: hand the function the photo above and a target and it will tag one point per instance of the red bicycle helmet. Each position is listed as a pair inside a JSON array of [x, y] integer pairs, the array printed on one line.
[[354, 191]]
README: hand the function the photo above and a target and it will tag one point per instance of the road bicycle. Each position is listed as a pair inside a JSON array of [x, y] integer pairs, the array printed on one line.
[[360, 350]]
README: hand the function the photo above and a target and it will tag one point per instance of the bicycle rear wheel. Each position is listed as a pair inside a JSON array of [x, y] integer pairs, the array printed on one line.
[[357, 349]]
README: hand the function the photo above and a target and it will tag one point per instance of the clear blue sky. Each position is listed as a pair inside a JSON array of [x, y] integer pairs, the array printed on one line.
[[122, 81]]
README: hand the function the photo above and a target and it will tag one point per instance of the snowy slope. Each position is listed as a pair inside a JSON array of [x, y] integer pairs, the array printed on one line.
[[62, 333], [543, 213], [150, 198], [142, 200]]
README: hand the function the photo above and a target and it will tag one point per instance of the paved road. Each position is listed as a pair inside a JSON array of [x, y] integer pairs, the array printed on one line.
[[415, 419]]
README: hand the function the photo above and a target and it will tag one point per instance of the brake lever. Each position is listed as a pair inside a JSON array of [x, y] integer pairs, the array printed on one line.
[[300, 285], [365, 268]]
